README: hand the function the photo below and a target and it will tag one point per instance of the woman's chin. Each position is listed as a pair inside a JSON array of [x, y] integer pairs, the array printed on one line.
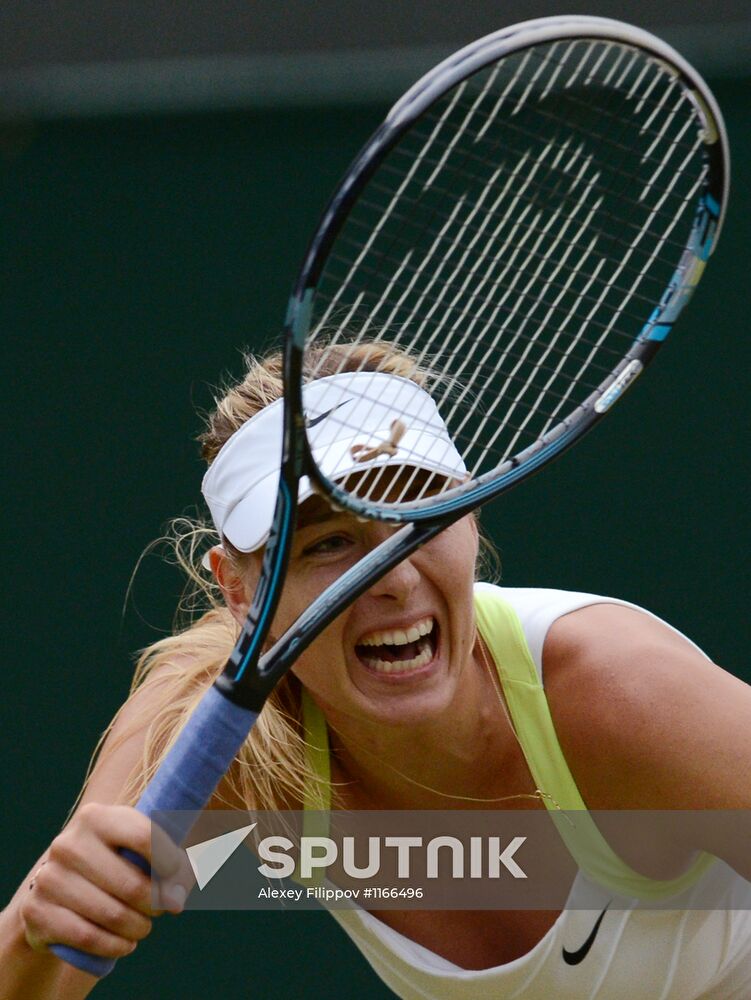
[[407, 696]]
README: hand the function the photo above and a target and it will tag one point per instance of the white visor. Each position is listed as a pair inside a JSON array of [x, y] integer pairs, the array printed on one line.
[[348, 416]]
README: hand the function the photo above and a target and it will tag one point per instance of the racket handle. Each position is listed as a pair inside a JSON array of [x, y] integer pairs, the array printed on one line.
[[95, 965], [183, 784]]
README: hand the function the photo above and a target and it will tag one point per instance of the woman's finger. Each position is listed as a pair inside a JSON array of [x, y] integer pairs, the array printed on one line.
[[71, 891], [47, 923], [100, 864]]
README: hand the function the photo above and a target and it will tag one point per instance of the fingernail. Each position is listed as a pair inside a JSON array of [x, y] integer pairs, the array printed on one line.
[[176, 895]]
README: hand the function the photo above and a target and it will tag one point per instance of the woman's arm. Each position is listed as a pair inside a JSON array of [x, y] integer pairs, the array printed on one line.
[[81, 892], [647, 722]]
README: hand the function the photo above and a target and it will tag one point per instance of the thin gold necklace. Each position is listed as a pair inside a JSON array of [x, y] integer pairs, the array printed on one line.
[[494, 672]]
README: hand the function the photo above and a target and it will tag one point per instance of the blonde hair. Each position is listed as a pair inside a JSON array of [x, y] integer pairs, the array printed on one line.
[[271, 771]]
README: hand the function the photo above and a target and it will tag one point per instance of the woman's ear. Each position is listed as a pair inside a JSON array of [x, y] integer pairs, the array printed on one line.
[[233, 586]]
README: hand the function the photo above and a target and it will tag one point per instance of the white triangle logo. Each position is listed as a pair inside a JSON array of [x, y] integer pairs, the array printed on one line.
[[208, 857]]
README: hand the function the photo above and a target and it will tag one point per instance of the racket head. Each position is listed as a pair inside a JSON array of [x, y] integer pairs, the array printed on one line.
[[526, 226]]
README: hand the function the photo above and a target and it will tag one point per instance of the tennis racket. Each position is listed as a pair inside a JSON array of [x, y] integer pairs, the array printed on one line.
[[527, 224]]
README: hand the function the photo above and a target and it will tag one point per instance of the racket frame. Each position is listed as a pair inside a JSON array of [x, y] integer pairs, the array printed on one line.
[[247, 682]]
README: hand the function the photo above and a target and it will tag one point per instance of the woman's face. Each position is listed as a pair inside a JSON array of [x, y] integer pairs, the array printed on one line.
[[398, 654]]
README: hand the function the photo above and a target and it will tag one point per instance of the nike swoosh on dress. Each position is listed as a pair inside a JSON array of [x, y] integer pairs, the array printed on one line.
[[575, 957]]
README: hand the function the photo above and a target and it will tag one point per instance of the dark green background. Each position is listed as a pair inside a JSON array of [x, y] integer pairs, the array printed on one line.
[[138, 256]]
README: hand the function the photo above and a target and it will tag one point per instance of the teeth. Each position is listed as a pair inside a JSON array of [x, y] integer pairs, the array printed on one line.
[[399, 637], [401, 666]]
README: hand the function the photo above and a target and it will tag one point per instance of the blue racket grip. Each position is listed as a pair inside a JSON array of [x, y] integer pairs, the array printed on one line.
[[183, 784]]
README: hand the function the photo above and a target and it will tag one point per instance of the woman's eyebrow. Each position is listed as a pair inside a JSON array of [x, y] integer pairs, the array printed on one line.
[[316, 515]]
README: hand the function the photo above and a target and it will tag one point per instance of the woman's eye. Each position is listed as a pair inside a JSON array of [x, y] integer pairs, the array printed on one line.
[[330, 545]]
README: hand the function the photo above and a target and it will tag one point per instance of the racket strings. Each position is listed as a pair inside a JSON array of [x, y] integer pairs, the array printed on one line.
[[640, 272], [622, 192], [519, 236], [474, 298], [608, 354], [614, 116], [625, 58], [575, 269], [531, 200], [624, 176], [533, 367], [406, 267], [613, 143]]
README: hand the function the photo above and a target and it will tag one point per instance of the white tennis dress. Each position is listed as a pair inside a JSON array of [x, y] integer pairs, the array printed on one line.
[[636, 954]]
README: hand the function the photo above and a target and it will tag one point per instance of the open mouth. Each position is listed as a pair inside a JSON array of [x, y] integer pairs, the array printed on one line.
[[399, 651]]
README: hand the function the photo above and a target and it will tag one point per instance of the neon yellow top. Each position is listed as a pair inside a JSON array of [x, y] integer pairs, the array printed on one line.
[[502, 632]]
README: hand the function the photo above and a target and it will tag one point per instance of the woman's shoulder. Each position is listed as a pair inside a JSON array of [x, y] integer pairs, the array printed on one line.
[[540, 608], [548, 604], [642, 715], [617, 651]]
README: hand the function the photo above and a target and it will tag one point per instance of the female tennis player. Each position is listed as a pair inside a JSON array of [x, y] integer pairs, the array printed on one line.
[[430, 692]]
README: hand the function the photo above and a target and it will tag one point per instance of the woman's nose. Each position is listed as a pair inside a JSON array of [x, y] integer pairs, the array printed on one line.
[[401, 580]]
